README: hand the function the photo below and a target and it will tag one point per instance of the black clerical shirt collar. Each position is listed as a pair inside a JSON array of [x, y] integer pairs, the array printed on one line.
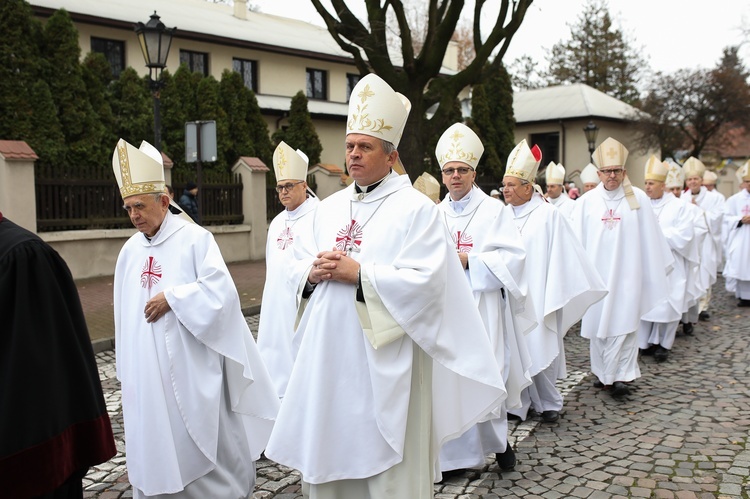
[[369, 188]]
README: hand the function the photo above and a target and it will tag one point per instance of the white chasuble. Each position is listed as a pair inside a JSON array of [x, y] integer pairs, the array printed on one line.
[[563, 282], [193, 381], [737, 267], [564, 204], [631, 254], [345, 407], [279, 306], [699, 278], [712, 205]]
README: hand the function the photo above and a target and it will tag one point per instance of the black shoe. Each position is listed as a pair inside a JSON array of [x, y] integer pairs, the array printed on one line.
[[687, 328], [514, 417], [743, 303], [506, 460], [661, 354], [451, 473], [648, 351], [598, 384], [550, 416], [704, 316], [619, 389]]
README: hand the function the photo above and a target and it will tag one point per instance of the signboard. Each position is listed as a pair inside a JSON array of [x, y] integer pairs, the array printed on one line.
[[200, 141]]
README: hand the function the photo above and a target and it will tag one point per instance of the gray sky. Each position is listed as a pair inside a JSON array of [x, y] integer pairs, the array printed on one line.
[[673, 34]]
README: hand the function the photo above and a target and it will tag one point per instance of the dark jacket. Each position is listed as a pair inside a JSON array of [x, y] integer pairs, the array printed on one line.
[[189, 204]]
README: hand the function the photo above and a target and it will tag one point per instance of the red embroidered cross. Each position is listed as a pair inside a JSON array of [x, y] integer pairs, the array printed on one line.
[[285, 239], [151, 273], [349, 238], [609, 219], [464, 242]]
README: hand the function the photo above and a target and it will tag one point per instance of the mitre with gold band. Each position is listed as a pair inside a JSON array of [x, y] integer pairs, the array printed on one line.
[[429, 186], [675, 175], [554, 174], [459, 143], [590, 175], [375, 109], [655, 169], [288, 163], [137, 171], [523, 162], [694, 167], [610, 154]]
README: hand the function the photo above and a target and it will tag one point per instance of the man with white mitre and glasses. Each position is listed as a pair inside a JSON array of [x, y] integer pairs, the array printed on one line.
[[622, 237]]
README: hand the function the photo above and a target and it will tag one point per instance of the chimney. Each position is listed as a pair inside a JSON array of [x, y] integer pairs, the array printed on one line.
[[240, 9]]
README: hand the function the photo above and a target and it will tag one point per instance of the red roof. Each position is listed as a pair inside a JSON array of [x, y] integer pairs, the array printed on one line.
[[16, 149], [254, 163]]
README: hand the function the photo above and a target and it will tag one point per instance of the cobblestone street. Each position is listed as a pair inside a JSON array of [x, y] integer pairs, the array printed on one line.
[[681, 433]]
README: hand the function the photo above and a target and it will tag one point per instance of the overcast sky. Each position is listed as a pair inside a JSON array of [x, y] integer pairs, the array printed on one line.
[[673, 34]]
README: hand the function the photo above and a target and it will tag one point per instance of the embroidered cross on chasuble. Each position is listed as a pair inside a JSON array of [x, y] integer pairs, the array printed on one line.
[[150, 273], [285, 238], [464, 242], [349, 238], [610, 219], [746, 210]]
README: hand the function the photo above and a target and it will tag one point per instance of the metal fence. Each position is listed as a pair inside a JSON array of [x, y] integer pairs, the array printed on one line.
[[85, 198]]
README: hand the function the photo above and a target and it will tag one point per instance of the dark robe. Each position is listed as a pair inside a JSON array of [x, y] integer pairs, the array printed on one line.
[[53, 420]]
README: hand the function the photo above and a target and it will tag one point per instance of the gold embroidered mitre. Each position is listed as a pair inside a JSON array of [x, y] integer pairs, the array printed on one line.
[[459, 143], [429, 186], [289, 164], [743, 173], [693, 167], [610, 154], [138, 171], [710, 178], [523, 162], [590, 174], [675, 175], [655, 170], [554, 174], [375, 109]]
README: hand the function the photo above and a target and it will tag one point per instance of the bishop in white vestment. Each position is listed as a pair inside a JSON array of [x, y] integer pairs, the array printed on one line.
[[737, 223], [621, 235], [492, 256], [392, 356], [198, 403], [658, 327], [294, 224], [556, 195]]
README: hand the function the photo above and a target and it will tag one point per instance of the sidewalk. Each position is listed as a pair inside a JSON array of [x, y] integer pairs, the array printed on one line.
[[96, 298]]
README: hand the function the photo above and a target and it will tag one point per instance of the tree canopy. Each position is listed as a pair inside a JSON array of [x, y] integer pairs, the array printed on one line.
[[417, 73]]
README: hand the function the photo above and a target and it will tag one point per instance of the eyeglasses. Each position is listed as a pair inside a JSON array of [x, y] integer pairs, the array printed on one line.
[[512, 186], [287, 187], [613, 171], [463, 170]]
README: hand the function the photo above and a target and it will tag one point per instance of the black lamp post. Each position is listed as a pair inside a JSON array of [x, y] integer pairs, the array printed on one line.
[[591, 130], [155, 40]]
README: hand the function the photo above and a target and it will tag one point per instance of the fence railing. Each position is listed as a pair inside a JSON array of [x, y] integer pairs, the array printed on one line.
[[88, 198]]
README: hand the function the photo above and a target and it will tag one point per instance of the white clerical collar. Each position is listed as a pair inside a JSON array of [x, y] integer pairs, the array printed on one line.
[[617, 193], [521, 208], [460, 205], [162, 229], [660, 201], [290, 214]]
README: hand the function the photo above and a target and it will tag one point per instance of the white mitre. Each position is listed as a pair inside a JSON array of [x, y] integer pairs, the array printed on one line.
[[523, 162], [655, 169], [554, 174], [459, 143], [429, 186], [710, 178], [590, 175], [743, 173], [375, 109], [675, 175], [693, 167], [289, 164], [138, 171], [610, 154]]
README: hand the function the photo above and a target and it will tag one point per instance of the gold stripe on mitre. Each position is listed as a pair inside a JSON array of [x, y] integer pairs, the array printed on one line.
[[138, 173]]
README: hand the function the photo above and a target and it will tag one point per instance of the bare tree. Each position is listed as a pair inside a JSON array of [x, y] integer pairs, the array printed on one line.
[[417, 74]]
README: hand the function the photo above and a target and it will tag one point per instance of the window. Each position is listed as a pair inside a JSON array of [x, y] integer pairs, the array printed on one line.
[[249, 71], [197, 62], [113, 50], [549, 143], [316, 84], [351, 82]]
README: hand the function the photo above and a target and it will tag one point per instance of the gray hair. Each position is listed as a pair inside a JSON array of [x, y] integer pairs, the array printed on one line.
[[388, 147]]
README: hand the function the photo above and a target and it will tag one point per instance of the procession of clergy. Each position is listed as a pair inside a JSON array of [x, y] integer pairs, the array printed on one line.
[[399, 331]]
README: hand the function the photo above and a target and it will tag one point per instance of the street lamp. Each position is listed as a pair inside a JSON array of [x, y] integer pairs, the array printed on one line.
[[155, 40], [591, 130]]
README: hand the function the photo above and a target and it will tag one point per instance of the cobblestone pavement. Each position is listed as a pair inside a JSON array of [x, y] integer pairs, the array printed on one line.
[[682, 433]]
